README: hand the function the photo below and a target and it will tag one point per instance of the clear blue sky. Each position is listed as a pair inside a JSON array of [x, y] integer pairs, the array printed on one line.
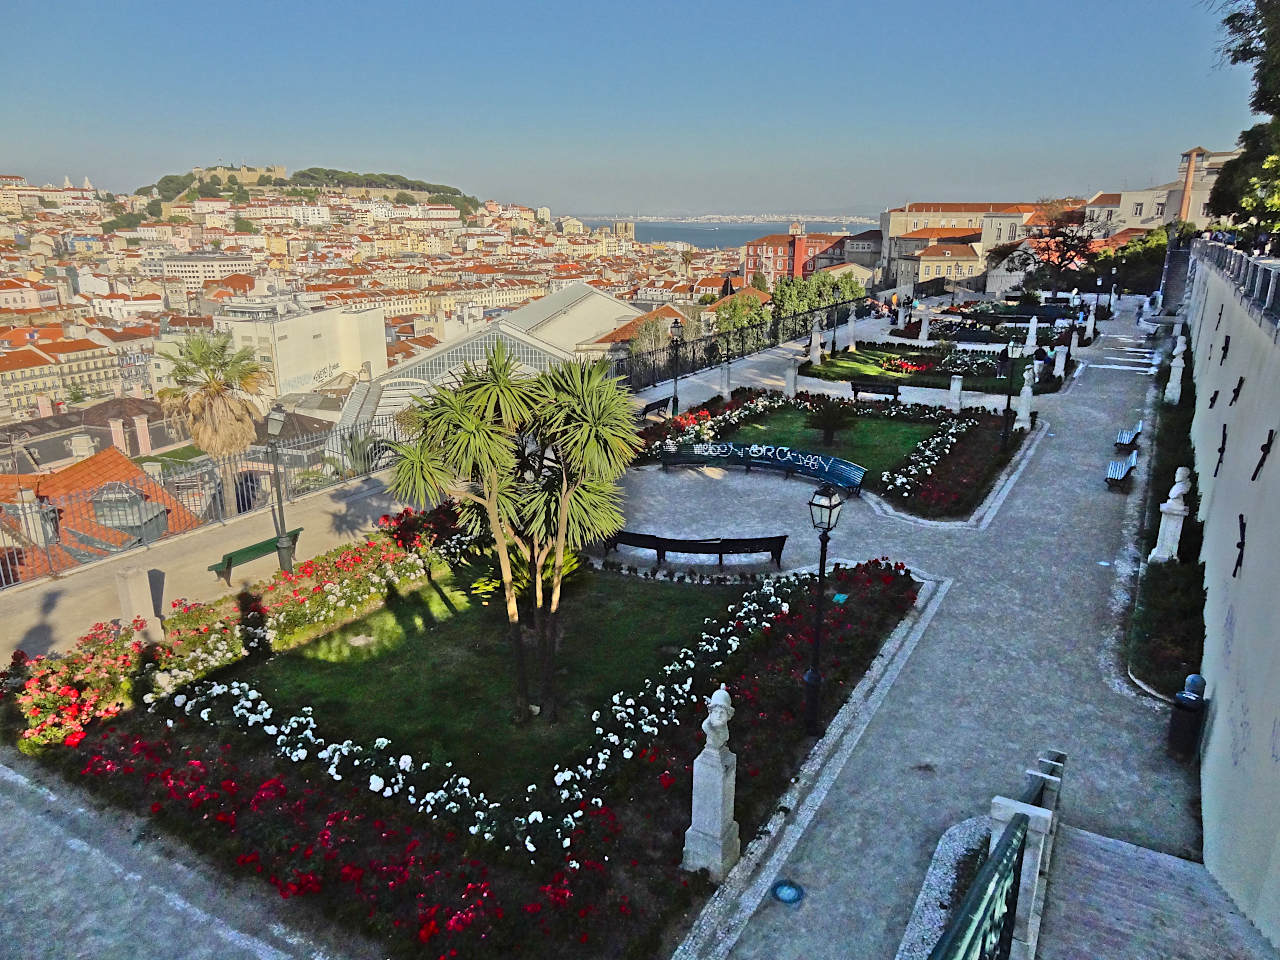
[[648, 107]]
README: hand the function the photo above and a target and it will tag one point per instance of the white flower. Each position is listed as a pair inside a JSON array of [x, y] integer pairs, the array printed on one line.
[[376, 783], [528, 845], [406, 762]]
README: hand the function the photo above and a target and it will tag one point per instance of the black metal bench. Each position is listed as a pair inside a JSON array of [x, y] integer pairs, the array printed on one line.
[[886, 388], [1120, 472], [656, 406], [717, 545], [1128, 439], [252, 552], [839, 473]]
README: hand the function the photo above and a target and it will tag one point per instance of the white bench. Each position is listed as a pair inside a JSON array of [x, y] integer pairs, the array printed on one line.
[[1127, 439], [1120, 472]]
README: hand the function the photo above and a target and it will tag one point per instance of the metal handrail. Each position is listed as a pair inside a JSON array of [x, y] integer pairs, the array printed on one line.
[[983, 927]]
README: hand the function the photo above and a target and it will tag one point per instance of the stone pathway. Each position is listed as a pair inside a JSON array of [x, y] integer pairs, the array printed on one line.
[[83, 884], [1110, 900], [1019, 657]]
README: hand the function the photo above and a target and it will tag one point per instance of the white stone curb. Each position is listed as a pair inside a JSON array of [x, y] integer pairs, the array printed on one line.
[[929, 918]]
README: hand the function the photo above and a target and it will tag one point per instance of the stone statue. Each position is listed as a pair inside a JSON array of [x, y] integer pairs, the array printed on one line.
[[1180, 348], [719, 713], [1028, 377], [1181, 486]]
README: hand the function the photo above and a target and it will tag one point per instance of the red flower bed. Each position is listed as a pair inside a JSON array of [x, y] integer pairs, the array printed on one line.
[[961, 481]]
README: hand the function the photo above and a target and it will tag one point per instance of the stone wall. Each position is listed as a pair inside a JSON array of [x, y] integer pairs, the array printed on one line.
[[1240, 764]]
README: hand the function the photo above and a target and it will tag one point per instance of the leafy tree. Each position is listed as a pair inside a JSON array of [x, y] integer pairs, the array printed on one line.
[[126, 221], [208, 191], [116, 208], [266, 180], [828, 415], [651, 335], [76, 394], [239, 195], [244, 226], [707, 298], [214, 397], [233, 180], [406, 199], [154, 209], [760, 282], [686, 259], [48, 204], [215, 180], [1252, 36], [1064, 245]]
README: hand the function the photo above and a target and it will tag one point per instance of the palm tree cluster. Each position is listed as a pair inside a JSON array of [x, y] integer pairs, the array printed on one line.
[[538, 459]]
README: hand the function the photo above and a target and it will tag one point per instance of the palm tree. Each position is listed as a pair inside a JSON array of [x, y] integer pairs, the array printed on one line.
[[215, 398], [586, 426], [828, 415], [686, 260], [466, 448]]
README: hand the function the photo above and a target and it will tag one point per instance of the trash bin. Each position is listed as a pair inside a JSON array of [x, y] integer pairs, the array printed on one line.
[[1185, 722]]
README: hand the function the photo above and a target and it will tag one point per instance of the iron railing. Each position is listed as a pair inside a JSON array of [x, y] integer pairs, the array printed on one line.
[[983, 927], [642, 370], [45, 535]]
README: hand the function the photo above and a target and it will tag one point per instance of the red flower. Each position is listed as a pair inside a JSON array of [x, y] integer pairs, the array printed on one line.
[[73, 739]]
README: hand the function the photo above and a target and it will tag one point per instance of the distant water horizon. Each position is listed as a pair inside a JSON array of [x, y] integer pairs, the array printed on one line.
[[722, 236]]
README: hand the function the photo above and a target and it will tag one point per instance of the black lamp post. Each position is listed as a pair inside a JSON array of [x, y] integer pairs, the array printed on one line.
[[677, 337], [1015, 351], [284, 546], [824, 510]]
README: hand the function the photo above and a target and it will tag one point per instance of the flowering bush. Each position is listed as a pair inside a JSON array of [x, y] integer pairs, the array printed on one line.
[[904, 365], [906, 478], [949, 473]]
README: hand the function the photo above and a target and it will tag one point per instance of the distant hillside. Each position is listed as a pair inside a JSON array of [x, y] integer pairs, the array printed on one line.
[[172, 186]]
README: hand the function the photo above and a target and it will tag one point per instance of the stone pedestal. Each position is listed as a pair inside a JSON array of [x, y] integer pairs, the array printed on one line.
[[956, 400], [789, 387], [1060, 362], [726, 386], [1157, 303], [1090, 327], [815, 345], [1075, 341], [1032, 328], [133, 586], [924, 328], [1023, 422], [712, 840], [853, 335], [902, 314], [1172, 515], [1173, 389]]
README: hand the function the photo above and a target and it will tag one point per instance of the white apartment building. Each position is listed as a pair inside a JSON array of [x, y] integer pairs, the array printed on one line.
[[304, 347], [193, 269]]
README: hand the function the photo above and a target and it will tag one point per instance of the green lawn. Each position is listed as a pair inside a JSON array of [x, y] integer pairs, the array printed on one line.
[[180, 454], [437, 680], [868, 441], [863, 364]]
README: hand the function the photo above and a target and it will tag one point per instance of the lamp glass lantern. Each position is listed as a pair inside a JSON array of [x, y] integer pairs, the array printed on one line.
[[275, 420], [824, 508]]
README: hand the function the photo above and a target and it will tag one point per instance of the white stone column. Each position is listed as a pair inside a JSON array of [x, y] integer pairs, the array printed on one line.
[[902, 314], [133, 586], [956, 400], [1032, 327], [1172, 514], [815, 344], [1023, 422], [1075, 341], [790, 385], [143, 432], [1173, 389], [1060, 361], [853, 333], [1090, 326], [712, 840], [725, 386], [117, 435], [924, 327]]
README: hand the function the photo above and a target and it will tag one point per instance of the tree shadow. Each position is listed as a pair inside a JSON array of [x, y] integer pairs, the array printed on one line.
[[39, 639]]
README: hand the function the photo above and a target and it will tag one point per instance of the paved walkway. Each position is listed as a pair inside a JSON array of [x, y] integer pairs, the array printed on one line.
[[48, 615], [1019, 657]]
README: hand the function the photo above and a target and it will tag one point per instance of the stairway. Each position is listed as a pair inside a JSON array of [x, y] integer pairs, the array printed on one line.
[[1175, 281], [1110, 900]]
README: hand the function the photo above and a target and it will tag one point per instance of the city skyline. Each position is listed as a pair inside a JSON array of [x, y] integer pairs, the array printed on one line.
[[618, 110]]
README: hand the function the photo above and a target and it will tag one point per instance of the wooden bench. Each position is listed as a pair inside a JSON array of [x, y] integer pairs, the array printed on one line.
[[656, 406], [1120, 472], [885, 388], [1128, 439], [252, 552], [718, 545]]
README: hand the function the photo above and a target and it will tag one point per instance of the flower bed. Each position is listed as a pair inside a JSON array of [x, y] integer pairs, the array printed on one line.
[[585, 864], [949, 474]]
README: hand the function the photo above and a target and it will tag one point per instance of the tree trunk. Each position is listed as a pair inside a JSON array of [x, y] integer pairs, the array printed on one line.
[[513, 611], [828, 436]]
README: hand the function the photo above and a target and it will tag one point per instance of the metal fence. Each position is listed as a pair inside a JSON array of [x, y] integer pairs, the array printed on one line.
[[40, 536], [983, 927], [642, 370]]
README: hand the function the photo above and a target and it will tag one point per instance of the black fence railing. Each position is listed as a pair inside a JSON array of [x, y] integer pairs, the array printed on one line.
[[44, 535], [983, 926], [642, 370]]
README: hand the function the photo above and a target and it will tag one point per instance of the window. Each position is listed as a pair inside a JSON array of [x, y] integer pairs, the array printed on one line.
[[1204, 209], [998, 229], [971, 269], [1159, 209], [1110, 215], [1137, 209], [948, 269]]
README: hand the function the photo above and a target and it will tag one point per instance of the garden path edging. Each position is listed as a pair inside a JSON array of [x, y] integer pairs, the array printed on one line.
[[725, 915], [929, 918]]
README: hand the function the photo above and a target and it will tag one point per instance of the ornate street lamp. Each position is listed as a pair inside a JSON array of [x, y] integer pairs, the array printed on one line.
[[284, 546], [1015, 351], [677, 336], [824, 511]]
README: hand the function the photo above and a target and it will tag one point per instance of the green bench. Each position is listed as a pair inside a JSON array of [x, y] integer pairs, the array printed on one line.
[[252, 552]]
